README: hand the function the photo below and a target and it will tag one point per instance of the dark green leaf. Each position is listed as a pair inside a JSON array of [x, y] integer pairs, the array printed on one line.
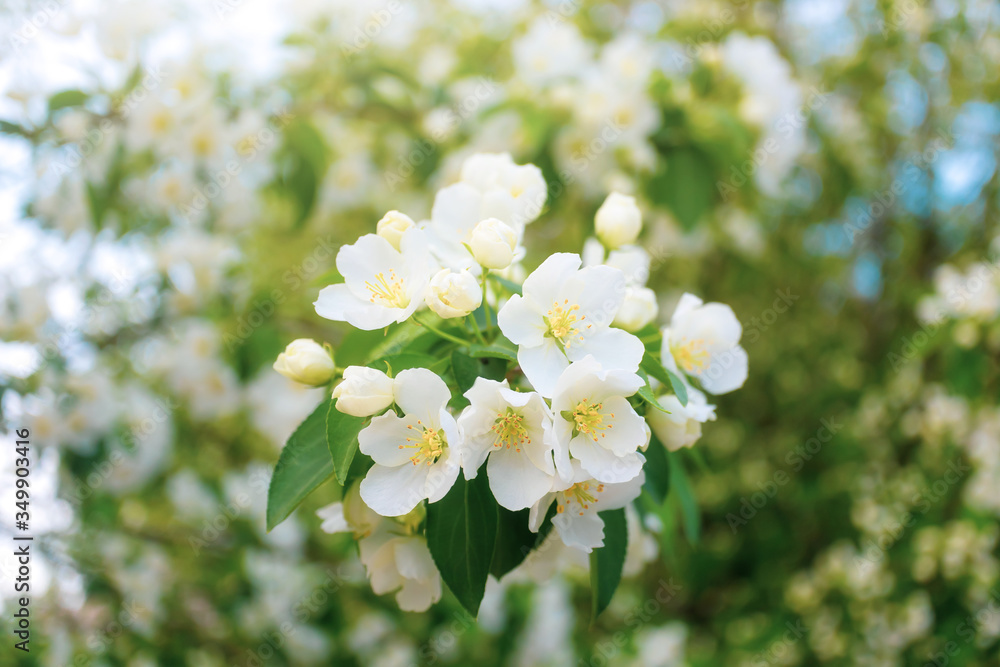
[[501, 348], [607, 562], [304, 464], [686, 185], [461, 533], [657, 470], [13, 128], [342, 439], [514, 541], [689, 505], [467, 369], [402, 362], [67, 98]]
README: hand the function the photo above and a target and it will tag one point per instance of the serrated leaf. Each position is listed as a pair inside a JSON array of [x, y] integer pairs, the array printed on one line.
[[461, 533], [689, 505], [514, 541], [467, 369], [607, 562], [657, 469], [342, 439], [304, 464]]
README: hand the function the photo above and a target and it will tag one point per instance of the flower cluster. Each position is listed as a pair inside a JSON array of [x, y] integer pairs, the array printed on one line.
[[544, 383]]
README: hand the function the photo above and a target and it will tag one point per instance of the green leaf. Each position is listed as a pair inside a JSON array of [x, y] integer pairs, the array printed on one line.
[[654, 368], [679, 387], [67, 98], [646, 393], [508, 285], [686, 185], [304, 464], [514, 541], [467, 369], [607, 562], [461, 533], [501, 348], [689, 505], [402, 362], [8, 127], [657, 470], [342, 439]]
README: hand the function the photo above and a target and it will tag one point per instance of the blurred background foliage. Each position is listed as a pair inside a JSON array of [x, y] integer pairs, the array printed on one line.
[[826, 168]]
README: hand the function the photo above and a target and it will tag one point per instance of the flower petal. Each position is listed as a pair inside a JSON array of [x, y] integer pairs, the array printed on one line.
[[338, 303], [394, 491], [421, 392], [543, 365], [521, 322], [515, 481], [613, 348], [602, 464], [727, 371], [385, 439], [545, 283], [584, 532]]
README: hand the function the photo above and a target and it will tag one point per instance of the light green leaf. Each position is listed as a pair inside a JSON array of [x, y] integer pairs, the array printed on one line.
[[654, 368], [501, 348], [508, 285], [67, 98], [679, 387], [461, 533], [607, 562]]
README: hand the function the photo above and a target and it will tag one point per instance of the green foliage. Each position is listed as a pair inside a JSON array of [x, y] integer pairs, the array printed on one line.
[[606, 563]]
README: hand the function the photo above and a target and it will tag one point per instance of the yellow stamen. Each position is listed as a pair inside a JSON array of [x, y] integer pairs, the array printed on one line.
[[429, 446], [583, 494], [510, 430], [391, 291], [563, 323], [590, 421], [691, 355]]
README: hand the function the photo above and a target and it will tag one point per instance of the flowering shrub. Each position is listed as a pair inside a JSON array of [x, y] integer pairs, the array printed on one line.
[[539, 379]]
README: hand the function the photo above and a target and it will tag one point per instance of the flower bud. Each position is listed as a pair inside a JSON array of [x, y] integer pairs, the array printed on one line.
[[493, 243], [618, 221], [305, 361], [638, 309], [674, 430], [453, 294], [363, 392], [393, 225]]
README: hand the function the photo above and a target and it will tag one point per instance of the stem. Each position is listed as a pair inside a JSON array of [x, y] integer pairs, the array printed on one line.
[[475, 325], [486, 305], [453, 339]]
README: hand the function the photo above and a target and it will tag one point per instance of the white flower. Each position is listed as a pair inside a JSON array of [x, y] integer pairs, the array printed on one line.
[[306, 362], [453, 293], [491, 186], [681, 427], [594, 418], [417, 456], [363, 392], [394, 559], [550, 50], [393, 225], [703, 341], [564, 316], [618, 220], [402, 564], [493, 243], [577, 504], [638, 309], [514, 429], [381, 285]]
